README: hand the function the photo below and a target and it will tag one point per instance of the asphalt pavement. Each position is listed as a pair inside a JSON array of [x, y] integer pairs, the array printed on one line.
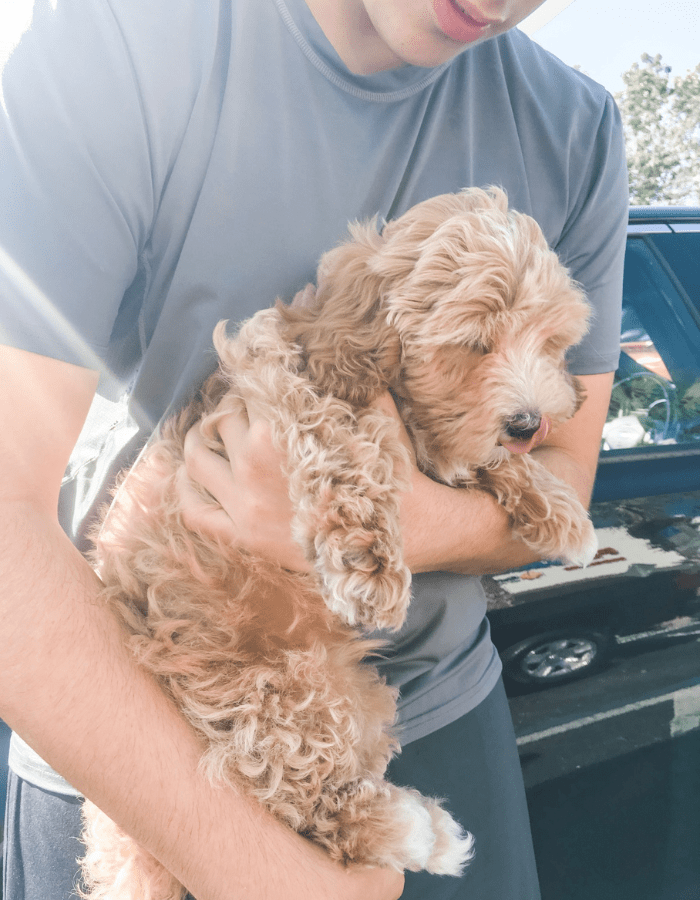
[[612, 772]]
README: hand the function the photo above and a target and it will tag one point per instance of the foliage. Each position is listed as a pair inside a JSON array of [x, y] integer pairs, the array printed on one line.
[[661, 118]]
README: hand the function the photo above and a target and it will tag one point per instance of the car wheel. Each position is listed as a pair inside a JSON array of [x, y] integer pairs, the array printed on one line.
[[555, 657]]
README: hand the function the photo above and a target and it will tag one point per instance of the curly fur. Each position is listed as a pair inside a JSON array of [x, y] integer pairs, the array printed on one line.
[[458, 307]]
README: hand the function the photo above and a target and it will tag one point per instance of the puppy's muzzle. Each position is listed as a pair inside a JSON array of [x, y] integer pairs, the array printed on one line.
[[524, 431], [523, 425]]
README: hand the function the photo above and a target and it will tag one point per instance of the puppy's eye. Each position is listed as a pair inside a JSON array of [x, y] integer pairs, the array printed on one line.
[[454, 359], [478, 347]]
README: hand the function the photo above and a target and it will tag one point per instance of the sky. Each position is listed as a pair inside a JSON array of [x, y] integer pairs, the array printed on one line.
[[604, 37]]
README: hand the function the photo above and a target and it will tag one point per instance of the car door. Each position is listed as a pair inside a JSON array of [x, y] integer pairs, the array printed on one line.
[[651, 441]]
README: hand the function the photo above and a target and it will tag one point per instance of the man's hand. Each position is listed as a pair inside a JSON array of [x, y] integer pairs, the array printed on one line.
[[359, 882], [254, 511]]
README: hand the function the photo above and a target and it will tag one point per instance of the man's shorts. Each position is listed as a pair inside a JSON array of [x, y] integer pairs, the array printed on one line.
[[473, 764]]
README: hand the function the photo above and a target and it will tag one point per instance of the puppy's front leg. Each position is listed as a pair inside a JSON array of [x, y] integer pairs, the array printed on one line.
[[345, 477], [546, 513]]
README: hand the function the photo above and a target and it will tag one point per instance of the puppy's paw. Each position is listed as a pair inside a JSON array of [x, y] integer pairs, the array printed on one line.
[[363, 578], [433, 840], [373, 600], [555, 524], [454, 847], [420, 838], [582, 551]]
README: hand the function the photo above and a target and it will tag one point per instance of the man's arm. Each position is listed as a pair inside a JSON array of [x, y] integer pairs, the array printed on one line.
[[444, 528], [72, 691]]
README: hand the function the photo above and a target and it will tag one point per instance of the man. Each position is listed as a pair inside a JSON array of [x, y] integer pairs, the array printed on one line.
[[167, 165]]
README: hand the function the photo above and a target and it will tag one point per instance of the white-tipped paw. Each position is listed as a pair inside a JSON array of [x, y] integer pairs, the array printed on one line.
[[582, 553], [434, 841], [420, 836], [454, 847], [563, 532]]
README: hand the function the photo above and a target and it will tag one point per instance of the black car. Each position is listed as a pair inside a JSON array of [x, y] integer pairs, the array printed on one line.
[[553, 623]]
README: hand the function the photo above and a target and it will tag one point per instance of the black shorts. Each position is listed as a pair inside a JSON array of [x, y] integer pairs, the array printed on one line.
[[473, 764]]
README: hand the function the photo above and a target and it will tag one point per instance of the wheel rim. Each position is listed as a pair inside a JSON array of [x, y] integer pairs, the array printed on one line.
[[556, 658]]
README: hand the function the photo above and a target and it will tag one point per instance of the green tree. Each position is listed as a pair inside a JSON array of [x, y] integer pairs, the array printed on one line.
[[661, 117]]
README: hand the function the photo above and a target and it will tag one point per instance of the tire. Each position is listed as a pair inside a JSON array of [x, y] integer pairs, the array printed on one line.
[[556, 657]]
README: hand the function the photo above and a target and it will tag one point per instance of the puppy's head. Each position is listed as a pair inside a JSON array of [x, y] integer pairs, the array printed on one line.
[[460, 308], [484, 313]]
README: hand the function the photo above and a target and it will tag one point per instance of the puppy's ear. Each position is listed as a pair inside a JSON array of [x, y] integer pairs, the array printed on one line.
[[350, 350], [405, 239], [449, 269], [492, 198], [580, 392]]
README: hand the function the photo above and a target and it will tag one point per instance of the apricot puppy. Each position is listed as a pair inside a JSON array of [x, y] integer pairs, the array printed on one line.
[[462, 311]]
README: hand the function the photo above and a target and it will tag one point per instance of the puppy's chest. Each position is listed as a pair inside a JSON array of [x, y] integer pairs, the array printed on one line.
[[281, 620]]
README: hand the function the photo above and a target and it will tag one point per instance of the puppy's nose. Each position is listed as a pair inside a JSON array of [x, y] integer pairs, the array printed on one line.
[[523, 425]]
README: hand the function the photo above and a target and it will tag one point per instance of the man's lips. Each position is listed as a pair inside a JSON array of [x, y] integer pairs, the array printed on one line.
[[477, 20], [525, 446], [455, 22]]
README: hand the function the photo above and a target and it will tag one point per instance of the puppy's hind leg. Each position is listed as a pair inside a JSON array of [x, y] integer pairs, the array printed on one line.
[[382, 824], [115, 867], [433, 840]]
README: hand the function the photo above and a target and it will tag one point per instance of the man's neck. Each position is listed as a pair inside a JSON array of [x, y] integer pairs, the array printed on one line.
[[349, 29]]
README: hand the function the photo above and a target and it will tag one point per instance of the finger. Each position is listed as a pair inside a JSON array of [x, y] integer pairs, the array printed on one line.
[[207, 468], [249, 441], [200, 515], [304, 297], [257, 413], [233, 430], [386, 403]]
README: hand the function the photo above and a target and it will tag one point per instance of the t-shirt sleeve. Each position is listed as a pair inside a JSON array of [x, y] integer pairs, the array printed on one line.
[[76, 184], [592, 243]]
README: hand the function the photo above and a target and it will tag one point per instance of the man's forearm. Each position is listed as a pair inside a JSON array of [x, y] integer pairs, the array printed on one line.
[[467, 531], [70, 688]]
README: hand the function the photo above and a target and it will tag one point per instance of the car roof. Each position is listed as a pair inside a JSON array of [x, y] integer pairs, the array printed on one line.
[[640, 214]]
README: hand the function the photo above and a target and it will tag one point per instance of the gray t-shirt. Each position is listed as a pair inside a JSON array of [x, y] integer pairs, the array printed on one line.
[[165, 165]]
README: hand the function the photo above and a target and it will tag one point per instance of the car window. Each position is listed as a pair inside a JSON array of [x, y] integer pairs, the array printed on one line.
[[682, 252], [656, 395]]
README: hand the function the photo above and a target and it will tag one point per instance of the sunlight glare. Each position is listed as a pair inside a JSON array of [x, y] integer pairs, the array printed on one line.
[[21, 285]]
